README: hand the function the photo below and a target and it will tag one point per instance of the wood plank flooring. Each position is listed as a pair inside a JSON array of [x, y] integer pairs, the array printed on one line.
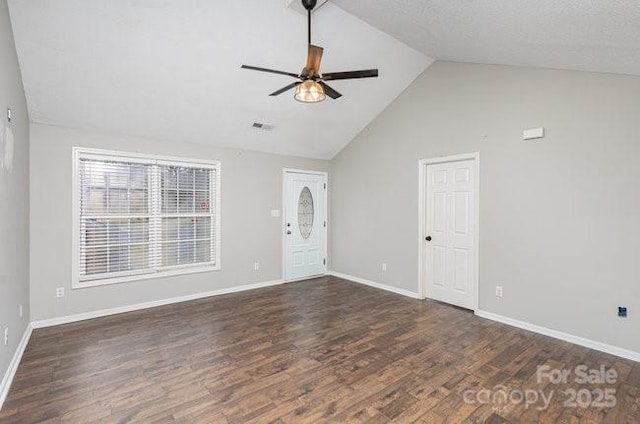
[[323, 350]]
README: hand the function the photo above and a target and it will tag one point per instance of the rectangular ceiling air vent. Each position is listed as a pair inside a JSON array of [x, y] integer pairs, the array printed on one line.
[[262, 126]]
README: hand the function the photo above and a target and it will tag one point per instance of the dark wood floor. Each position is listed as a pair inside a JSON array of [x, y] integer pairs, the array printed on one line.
[[324, 350]]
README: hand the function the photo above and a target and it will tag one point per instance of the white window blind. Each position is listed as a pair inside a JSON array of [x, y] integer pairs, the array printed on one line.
[[142, 216]]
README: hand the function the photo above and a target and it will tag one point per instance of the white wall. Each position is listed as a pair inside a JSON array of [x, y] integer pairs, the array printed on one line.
[[559, 218], [14, 199], [251, 187]]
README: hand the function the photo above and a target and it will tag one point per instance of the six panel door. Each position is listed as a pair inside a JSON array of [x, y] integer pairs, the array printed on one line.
[[450, 261]]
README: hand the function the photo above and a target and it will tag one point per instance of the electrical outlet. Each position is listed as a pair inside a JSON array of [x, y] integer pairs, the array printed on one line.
[[60, 292], [622, 311], [256, 266], [20, 311], [6, 336], [384, 267], [499, 292]]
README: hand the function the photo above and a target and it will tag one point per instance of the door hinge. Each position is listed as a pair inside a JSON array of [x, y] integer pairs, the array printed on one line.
[[325, 261], [325, 186], [325, 224]]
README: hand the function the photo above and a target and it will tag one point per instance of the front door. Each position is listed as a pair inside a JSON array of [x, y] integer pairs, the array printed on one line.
[[305, 225], [450, 232]]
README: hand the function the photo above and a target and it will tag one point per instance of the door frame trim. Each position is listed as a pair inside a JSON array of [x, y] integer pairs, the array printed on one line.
[[324, 174], [422, 221]]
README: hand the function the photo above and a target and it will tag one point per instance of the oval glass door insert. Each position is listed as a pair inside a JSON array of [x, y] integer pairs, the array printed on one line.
[[305, 213]]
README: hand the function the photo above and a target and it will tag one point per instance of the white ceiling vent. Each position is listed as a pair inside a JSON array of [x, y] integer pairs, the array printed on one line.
[[297, 5], [262, 126]]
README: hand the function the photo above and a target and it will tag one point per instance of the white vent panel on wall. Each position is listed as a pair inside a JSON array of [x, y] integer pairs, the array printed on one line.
[[533, 134]]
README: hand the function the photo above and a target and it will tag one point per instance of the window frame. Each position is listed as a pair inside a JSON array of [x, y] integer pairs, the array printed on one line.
[[137, 275]]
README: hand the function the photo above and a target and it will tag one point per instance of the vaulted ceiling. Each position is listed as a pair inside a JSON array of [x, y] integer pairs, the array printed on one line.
[[593, 35], [170, 70]]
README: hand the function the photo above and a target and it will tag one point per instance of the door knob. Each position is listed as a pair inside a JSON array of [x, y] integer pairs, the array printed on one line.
[[289, 232], [428, 238]]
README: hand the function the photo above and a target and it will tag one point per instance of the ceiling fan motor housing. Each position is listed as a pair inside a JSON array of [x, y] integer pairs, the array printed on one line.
[[309, 4]]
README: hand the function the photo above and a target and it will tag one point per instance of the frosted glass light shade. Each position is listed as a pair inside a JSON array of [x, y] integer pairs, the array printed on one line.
[[310, 92]]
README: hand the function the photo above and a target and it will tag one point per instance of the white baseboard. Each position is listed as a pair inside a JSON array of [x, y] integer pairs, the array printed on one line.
[[13, 365], [375, 285], [591, 344], [310, 277], [138, 306]]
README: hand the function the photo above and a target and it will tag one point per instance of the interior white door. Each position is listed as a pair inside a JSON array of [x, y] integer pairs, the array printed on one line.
[[305, 225], [450, 233]]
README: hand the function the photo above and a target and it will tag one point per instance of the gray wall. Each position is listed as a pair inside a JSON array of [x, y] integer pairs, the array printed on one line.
[[14, 199], [559, 217], [251, 187]]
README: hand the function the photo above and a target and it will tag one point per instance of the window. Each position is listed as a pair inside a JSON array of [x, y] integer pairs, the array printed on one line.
[[139, 216]]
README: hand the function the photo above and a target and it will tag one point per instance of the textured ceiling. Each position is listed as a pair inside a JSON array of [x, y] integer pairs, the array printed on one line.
[[592, 35], [170, 70]]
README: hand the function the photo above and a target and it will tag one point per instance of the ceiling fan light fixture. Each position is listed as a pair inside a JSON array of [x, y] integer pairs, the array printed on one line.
[[310, 85], [310, 92]]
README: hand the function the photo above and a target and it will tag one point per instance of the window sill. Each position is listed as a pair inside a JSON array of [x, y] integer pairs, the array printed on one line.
[[139, 277]]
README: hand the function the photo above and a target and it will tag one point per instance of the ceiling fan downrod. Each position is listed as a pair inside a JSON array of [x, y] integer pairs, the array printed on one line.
[[309, 5]]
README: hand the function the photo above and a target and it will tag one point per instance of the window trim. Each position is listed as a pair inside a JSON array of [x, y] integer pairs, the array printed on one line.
[[101, 154]]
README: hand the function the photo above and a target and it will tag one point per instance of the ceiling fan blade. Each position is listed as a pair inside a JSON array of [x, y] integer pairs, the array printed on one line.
[[330, 91], [333, 76], [287, 88], [271, 71], [314, 60]]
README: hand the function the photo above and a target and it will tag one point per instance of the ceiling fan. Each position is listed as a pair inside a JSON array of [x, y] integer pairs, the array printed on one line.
[[311, 87]]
